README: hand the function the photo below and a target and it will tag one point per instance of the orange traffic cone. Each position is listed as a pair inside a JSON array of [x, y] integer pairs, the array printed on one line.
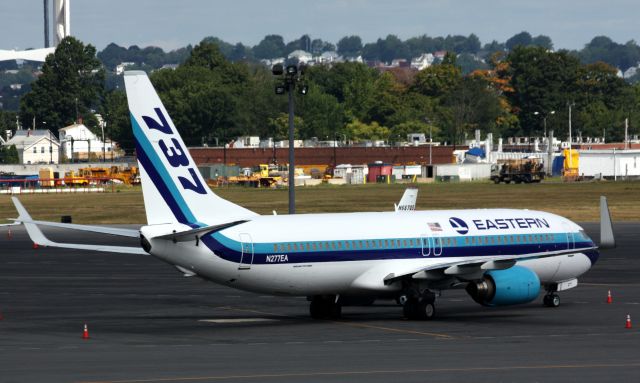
[[628, 324], [85, 333], [609, 298], [35, 245], [9, 233]]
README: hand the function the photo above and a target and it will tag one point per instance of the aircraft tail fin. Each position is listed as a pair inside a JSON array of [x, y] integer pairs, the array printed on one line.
[[173, 189], [408, 200], [607, 239]]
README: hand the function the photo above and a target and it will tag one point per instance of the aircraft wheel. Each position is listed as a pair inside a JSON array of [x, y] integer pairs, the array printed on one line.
[[419, 310], [551, 300], [317, 309], [410, 309], [426, 310], [324, 308]]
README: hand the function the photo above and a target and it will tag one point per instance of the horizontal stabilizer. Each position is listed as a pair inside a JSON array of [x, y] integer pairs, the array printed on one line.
[[190, 235], [94, 229], [39, 238]]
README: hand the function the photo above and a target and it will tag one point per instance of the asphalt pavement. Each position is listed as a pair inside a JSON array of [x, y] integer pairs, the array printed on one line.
[[148, 323]]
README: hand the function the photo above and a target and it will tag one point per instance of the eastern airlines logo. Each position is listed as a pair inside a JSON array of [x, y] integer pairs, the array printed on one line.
[[459, 225]]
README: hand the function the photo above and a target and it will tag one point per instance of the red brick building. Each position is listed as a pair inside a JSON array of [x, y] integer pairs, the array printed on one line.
[[246, 157]]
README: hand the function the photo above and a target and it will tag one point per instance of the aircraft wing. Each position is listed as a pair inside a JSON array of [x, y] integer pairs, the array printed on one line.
[[436, 270], [471, 268], [408, 200], [39, 238]]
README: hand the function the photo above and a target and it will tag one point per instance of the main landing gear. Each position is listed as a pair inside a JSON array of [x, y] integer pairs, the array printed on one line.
[[325, 307], [551, 299], [419, 307]]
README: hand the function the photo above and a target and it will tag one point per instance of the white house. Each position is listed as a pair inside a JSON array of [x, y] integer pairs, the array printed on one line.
[[328, 57], [78, 142], [423, 61], [302, 56], [35, 146]]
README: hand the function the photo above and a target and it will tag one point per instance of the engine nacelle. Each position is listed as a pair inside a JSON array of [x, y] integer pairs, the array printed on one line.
[[512, 286]]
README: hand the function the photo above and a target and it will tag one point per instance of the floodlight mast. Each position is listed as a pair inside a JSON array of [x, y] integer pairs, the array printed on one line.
[[290, 76]]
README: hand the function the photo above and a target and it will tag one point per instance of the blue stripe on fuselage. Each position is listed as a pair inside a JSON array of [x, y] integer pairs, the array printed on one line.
[[231, 250]]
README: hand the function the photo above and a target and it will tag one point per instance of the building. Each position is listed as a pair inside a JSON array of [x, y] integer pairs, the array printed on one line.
[[300, 55], [423, 61], [79, 143], [609, 163], [35, 146]]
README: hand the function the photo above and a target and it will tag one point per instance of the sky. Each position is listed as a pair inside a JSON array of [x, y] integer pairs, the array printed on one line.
[[173, 24]]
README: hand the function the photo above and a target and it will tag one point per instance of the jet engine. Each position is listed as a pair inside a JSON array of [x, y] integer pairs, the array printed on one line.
[[512, 286]]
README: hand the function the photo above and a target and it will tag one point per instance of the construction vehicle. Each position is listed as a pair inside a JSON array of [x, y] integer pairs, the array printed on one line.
[[264, 175], [128, 176], [525, 170], [117, 174], [73, 179]]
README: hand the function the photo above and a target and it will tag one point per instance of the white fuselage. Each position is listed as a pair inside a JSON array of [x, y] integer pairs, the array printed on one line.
[[353, 253]]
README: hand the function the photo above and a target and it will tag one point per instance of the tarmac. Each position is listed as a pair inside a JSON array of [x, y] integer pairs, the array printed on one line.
[[148, 323]]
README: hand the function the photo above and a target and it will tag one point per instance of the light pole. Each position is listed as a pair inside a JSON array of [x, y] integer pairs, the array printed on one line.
[[544, 119], [104, 144], [290, 77], [570, 105]]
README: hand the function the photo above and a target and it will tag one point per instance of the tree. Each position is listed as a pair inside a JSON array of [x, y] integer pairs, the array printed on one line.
[[352, 84], [358, 131], [472, 105], [542, 41], [9, 155], [438, 80], [350, 46], [522, 39], [71, 82], [115, 112], [303, 43], [322, 114], [542, 81], [280, 126], [270, 47]]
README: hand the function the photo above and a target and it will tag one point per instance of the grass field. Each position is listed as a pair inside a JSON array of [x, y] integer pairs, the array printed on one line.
[[576, 201]]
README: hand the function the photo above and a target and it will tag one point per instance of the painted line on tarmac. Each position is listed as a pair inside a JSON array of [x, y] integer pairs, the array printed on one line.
[[313, 374], [397, 330], [238, 320]]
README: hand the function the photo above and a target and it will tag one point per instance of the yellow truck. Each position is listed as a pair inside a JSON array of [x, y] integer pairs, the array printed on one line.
[[264, 175]]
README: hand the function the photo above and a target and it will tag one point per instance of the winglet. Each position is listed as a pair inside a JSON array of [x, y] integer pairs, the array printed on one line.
[[34, 232], [607, 239]]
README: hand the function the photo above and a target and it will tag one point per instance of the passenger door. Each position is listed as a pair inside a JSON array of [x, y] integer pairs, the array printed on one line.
[[246, 258]]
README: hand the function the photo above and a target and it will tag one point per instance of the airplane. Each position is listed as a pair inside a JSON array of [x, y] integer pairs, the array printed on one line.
[[499, 256]]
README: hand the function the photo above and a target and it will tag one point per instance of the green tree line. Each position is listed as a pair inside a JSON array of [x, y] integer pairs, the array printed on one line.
[[213, 99]]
